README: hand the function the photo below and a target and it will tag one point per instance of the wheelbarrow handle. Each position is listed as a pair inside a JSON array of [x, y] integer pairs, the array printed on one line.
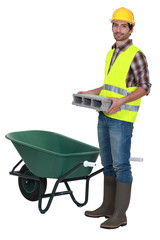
[[136, 159], [89, 164]]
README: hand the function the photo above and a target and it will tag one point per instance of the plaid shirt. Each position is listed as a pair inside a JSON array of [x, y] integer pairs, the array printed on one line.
[[138, 74]]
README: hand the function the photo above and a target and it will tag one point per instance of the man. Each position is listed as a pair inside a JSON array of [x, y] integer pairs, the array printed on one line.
[[126, 81]]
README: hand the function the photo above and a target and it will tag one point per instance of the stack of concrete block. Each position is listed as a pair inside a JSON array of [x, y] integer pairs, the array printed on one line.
[[91, 101]]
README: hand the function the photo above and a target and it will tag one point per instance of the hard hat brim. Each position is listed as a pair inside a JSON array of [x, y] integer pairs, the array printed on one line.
[[111, 20]]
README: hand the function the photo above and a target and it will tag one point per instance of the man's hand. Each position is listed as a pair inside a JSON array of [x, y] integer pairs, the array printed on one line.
[[95, 91], [83, 92], [116, 104]]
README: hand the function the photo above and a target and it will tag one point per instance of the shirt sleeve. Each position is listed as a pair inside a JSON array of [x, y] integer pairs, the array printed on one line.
[[140, 70]]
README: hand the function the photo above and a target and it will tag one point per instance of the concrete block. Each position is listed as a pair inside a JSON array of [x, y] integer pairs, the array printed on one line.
[[91, 101]]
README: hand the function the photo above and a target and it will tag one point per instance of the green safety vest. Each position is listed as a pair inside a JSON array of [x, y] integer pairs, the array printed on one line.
[[115, 84]]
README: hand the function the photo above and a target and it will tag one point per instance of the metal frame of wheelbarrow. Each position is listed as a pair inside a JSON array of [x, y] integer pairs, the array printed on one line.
[[62, 179]]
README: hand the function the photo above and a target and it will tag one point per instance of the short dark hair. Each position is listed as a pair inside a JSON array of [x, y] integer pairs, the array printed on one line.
[[130, 26]]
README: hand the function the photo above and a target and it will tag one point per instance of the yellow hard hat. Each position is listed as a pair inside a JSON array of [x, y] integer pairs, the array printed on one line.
[[123, 14]]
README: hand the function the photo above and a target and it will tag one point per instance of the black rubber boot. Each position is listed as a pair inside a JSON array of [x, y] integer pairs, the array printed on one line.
[[123, 192], [107, 207]]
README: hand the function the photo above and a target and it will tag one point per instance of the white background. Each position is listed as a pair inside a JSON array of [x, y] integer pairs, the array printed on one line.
[[48, 51]]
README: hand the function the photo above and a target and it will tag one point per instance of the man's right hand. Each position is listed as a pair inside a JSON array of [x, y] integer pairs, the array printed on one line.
[[95, 91], [83, 92]]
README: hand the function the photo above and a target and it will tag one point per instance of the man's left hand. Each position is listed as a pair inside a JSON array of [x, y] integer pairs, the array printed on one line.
[[116, 104]]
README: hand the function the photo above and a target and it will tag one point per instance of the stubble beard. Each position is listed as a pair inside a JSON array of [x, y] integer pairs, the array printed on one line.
[[121, 36]]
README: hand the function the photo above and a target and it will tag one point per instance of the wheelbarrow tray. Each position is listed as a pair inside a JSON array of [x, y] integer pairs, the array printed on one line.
[[51, 155]]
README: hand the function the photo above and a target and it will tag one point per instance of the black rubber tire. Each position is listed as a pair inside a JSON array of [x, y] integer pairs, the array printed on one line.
[[30, 188]]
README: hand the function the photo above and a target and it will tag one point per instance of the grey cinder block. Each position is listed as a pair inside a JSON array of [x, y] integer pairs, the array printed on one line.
[[91, 101]]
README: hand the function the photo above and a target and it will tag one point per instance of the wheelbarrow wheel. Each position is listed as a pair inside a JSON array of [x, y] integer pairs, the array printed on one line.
[[30, 188]]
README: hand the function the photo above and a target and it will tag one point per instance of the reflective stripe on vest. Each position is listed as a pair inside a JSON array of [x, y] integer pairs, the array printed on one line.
[[124, 93], [116, 89], [130, 107], [115, 84]]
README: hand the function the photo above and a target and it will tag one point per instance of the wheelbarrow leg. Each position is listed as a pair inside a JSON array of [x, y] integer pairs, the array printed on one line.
[[86, 188], [53, 194], [50, 198], [86, 193]]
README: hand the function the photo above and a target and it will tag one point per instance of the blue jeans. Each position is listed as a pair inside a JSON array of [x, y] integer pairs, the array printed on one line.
[[115, 142]]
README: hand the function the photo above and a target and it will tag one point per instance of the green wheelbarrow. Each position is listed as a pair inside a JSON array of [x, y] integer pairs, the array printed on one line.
[[51, 155]]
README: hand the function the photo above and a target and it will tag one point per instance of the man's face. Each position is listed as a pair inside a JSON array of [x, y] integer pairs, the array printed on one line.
[[121, 30]]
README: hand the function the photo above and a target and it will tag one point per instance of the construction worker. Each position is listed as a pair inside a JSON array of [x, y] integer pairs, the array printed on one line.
[[126, 82]]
